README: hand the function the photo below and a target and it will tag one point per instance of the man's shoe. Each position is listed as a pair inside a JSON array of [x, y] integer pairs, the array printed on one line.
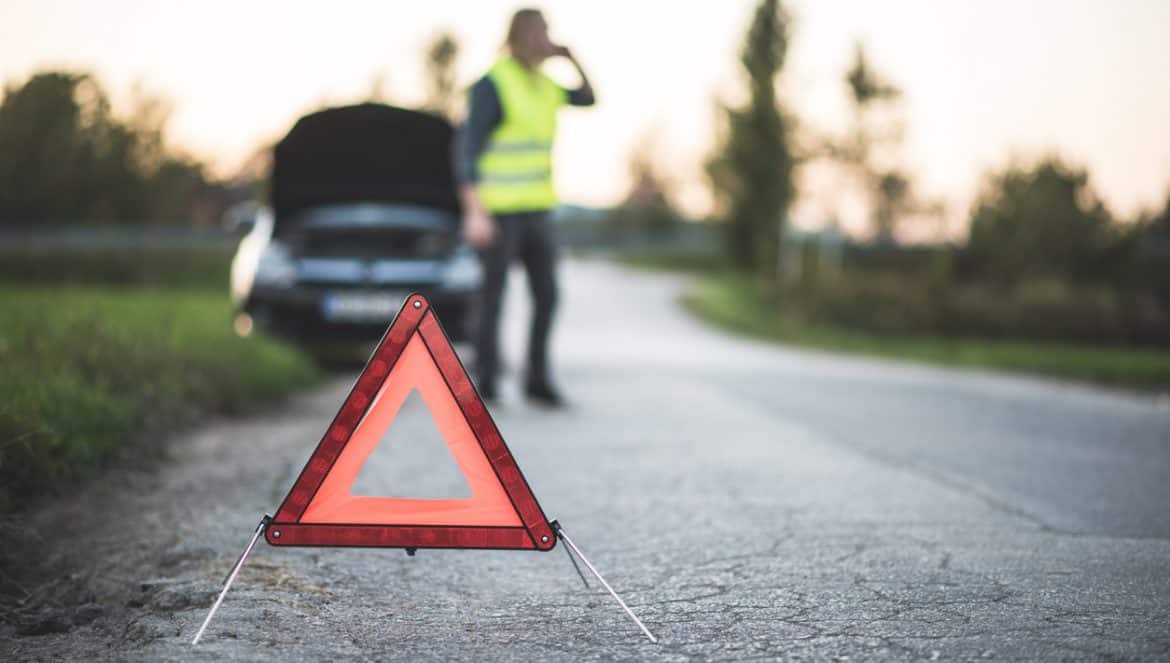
[[544, 394]]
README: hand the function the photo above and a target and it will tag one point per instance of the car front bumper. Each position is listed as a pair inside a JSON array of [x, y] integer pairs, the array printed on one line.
[[300, 313]]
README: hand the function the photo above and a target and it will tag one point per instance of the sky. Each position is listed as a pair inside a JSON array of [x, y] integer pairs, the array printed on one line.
[[985, 81]]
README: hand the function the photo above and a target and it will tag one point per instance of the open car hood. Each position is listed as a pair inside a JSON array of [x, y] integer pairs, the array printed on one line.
[[368, 153]]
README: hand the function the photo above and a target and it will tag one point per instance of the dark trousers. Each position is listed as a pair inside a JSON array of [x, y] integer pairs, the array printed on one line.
[[530, 237]]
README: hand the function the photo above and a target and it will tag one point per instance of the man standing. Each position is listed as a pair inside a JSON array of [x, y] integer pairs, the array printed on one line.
[[504, 164]]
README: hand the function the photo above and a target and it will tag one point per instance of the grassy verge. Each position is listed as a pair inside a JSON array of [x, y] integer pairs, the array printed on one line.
[[184, 267], [732, 302], [93, 376]]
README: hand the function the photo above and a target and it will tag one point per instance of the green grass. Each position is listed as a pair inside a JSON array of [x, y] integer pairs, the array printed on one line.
[[734, 303], [185, 267], [96, 376]]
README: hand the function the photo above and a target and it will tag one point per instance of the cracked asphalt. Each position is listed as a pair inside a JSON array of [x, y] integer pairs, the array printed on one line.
[[748, 500]]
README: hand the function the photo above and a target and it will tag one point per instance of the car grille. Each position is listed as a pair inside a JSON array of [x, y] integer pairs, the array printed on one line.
[[319, 287], [384, 243]]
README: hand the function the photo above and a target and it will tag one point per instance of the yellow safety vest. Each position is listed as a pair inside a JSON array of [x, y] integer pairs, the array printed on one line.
[[515, 168]]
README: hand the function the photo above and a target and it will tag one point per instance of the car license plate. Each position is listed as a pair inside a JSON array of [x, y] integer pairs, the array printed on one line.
[[361, 306]]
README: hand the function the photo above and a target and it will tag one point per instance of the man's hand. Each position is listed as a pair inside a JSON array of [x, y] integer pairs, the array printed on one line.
[[586, 87], [479, 228]]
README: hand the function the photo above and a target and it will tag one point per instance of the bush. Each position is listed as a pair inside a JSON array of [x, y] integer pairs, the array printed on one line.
[[178, 267], [1040, 309], [877, 303], [741, 305], [1042, 221]]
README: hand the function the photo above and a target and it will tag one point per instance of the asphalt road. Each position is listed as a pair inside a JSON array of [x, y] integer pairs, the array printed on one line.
[[749, 501]]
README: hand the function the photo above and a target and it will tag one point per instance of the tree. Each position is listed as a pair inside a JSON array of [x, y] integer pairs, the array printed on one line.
[[868, 151], [1043, 221], [48, 145], [379, 90], [865, 85], [441, 59], [648, 204], [751, 172], [1156, 224], [1142, 251], [64, 156]]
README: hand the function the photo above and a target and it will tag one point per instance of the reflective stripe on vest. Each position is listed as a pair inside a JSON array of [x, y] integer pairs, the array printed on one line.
[[516, 166]]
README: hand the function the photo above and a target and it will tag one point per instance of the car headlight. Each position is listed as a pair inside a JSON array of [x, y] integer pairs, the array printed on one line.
[[276, 267], [463, 271]]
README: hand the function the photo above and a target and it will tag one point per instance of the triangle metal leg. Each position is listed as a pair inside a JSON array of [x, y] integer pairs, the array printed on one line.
[[575, 567], [232, 577], [569, 543]]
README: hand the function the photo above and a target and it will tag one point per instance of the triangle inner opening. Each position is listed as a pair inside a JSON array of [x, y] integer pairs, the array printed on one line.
[[412, 460], [336, 501]]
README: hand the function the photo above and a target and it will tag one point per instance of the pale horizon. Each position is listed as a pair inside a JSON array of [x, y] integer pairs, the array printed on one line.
[[984, 83]]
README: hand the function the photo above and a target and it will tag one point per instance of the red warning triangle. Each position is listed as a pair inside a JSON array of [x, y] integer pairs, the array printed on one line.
[[321, 509]]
